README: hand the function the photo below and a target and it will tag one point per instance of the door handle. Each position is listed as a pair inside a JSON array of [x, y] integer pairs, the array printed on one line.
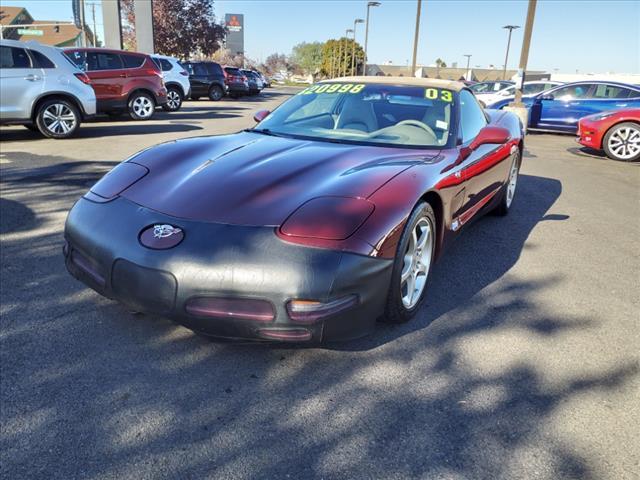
[[32, 78], [621, 104], [123, 75]]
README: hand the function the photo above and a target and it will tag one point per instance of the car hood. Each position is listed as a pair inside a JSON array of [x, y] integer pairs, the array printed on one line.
[[254, 179]]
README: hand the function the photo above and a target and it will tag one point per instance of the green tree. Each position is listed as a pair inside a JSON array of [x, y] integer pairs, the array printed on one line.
[[337, 56], [440, 63], [308, 56], [181, 28]]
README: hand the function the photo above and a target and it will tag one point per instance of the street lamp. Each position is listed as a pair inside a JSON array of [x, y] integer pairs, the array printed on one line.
[[353, 50], [468, 60], [347, 32], [511, 28], [366, 36]]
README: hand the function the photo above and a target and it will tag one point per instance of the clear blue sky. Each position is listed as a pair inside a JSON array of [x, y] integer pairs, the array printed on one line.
[[569, 35]]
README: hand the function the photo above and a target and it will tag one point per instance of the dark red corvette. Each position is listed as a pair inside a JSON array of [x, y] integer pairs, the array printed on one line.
[[326, 216]]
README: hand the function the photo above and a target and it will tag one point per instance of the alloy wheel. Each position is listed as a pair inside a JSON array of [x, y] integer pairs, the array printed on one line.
[[59, 119], [624, 142], [417, 260], [143, 107], [173, 99], [513, 181]]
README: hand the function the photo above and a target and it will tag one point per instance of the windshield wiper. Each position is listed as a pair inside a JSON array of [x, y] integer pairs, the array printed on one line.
[[264, 131]]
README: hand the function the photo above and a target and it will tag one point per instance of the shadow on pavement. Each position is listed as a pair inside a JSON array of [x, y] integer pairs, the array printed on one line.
[[89, 391], [92, 130]]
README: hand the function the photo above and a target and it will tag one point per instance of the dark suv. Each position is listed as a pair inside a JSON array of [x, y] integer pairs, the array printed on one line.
[[207, 80], [237, 82], [123, 81]]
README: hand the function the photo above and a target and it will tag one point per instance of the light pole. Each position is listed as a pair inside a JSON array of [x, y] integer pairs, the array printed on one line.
[[468, 60], [348, 31], [511, 28], [415, 40], [353, 50], [366, 36], [524, 53]]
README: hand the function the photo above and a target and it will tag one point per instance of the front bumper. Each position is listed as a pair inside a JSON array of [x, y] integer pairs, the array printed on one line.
[[215, 260], [237, 88], [588, 135]]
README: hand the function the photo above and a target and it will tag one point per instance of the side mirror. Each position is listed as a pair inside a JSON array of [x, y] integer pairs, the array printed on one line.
[[261, 115], [490, 134]]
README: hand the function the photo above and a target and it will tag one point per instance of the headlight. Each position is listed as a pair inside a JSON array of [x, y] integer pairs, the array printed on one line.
[[118, 180], [327, 218], [602, 116]]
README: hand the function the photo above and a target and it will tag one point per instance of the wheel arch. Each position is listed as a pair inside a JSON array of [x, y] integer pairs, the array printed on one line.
[[53, 95], [623, 120], [176, 85], [434, 199], [141, 90]]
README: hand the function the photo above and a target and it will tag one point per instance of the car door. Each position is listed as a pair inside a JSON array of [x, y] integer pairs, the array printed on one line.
[[485, 169], [198, 77], [105, 69], [561, 108], [20, 81], [605, 96]]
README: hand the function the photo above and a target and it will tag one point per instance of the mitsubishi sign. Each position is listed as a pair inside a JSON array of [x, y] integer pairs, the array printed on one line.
[[235, 32]]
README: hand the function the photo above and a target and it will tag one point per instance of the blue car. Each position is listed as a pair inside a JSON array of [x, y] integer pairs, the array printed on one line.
[[559, 109]]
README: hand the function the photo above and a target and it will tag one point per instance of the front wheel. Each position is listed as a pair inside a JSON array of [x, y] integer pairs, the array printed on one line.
[[57, 118], [622, 142], [510, 191], [174, 100], [215, 93], [412, 265], [141, 106]]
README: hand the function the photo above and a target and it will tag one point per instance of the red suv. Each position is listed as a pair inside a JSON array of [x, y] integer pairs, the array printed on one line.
[[123, 81]]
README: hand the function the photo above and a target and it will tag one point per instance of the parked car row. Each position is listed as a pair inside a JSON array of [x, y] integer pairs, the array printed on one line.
[[54, 90], [560, 108], [605, 115], [528, 88]]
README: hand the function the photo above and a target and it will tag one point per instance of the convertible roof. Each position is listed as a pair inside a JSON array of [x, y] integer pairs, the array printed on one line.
[[413, 81]]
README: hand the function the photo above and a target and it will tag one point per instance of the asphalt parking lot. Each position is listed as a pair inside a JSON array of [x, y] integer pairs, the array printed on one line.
[[523, 364]]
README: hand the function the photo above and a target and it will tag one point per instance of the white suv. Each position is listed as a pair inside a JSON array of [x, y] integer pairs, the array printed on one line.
[[176, 80], [41, 89]]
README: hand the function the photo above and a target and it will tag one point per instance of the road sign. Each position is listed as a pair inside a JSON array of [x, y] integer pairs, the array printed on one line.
[[26, 31]]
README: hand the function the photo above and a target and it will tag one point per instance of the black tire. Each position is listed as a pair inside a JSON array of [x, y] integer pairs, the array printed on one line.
[[174, 100], [506, 200], [612, 134], [216, 93], [141, 106], [57, 118], [395, 310]]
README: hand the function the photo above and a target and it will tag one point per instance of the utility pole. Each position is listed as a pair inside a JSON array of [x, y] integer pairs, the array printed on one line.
[[524, 54], [353, 50], [468, 60], [415, 39], [366, 36], [82, 26], [511, 28], [93, 14]]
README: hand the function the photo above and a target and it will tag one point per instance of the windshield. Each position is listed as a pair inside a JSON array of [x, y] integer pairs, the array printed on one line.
[[366, 113], [481, 87]]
